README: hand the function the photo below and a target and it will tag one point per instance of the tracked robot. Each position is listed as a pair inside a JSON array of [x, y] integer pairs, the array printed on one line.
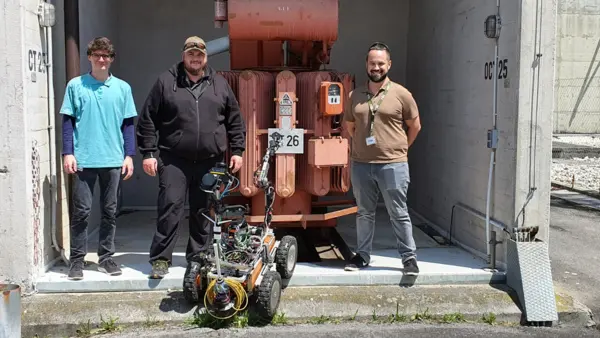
[[246, 261]]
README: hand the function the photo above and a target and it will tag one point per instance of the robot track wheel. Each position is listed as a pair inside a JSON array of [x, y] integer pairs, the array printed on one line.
[[192, 284], [286, 256], [269, 295]]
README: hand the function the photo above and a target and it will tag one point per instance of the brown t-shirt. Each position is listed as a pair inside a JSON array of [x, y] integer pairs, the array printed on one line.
[[391, 144]]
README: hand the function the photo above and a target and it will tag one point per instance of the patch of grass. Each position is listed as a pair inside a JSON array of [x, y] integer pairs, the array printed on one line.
[[106, 326], [320, 320], [563, 303], [353, 318], [280, 319], [240, 320], [151, 322], [453, 318], [420, 317], [85, 329], [205, 319], [109, 326], [489, 318]]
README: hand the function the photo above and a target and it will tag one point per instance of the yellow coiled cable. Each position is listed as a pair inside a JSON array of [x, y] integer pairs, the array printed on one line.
[[241, 296]]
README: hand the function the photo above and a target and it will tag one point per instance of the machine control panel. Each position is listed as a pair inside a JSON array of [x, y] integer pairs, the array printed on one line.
[[331, 98]]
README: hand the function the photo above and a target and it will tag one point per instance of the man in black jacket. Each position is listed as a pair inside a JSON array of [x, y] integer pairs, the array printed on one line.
[[195, 113]]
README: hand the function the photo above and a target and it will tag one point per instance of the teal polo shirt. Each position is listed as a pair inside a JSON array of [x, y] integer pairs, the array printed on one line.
[[99, 109]]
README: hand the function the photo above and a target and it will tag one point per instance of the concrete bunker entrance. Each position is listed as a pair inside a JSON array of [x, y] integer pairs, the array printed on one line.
[[140, 59]]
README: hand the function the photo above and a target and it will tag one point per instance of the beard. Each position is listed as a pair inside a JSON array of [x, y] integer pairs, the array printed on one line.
[[377, 76], [194, 69]]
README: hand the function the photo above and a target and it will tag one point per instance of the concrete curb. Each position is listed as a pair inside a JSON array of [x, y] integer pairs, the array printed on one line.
[[63, 314]]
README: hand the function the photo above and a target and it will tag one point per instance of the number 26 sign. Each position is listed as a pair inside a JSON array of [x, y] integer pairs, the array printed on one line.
[[292, 141]]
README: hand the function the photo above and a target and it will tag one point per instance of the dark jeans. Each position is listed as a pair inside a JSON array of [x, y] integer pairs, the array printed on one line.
[[83, 191], [177, 177]]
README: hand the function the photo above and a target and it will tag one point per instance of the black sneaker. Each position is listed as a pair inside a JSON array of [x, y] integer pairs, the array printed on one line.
[[410, 267], [159, 269], [109, 267], [356, 263], [76, 270]]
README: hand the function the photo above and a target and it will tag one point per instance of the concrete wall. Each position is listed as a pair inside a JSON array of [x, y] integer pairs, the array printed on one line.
[[26, 230], [577, 100], [16, 229], [533, 138], [447, 57]]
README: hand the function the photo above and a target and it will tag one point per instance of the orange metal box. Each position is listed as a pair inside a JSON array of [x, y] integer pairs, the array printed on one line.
[[331, 99], [327, 152]]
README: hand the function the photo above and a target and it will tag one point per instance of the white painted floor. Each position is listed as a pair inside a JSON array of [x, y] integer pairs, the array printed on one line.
[[439, 264]]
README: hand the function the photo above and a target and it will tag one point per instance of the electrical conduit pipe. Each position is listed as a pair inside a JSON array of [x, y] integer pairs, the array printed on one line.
[[493, 147], [52, 140]]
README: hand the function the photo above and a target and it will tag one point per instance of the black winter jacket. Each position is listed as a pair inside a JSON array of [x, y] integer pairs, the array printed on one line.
[[190, 127]]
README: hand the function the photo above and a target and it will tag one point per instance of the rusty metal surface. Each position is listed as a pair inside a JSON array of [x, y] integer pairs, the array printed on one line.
[[340, 176], [268, 20], [295, 179], [255, 55], [297, 204], [285, 164], [327, 152], [268, 55], [316, 181], [220, 13], [232, 78], [10, 311], [255, 93], [278, 218]]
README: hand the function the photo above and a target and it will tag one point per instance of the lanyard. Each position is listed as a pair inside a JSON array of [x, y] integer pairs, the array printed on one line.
[[374, 108]]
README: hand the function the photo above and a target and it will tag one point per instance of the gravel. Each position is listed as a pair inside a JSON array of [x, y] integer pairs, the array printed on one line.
[[584, 171]]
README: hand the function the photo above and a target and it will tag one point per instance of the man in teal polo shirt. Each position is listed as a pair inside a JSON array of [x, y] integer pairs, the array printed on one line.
[[98, 144]]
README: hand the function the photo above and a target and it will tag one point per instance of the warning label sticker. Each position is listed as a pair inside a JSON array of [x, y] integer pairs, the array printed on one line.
[[285, 100]]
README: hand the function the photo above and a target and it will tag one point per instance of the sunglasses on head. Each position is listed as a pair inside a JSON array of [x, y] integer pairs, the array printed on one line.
[[379, 46], [194, 45]]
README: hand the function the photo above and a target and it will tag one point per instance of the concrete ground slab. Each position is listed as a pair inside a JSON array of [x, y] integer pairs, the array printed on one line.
[[577, 198], [439, 264], [63, 314]]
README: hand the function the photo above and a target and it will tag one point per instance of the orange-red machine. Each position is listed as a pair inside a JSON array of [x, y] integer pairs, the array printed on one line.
[[279, 50]]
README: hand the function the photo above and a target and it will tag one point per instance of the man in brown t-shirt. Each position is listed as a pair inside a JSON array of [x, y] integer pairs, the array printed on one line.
[[383, 120]]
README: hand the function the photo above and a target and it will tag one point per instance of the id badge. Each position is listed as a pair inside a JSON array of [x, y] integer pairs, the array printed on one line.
[[371, 140]]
